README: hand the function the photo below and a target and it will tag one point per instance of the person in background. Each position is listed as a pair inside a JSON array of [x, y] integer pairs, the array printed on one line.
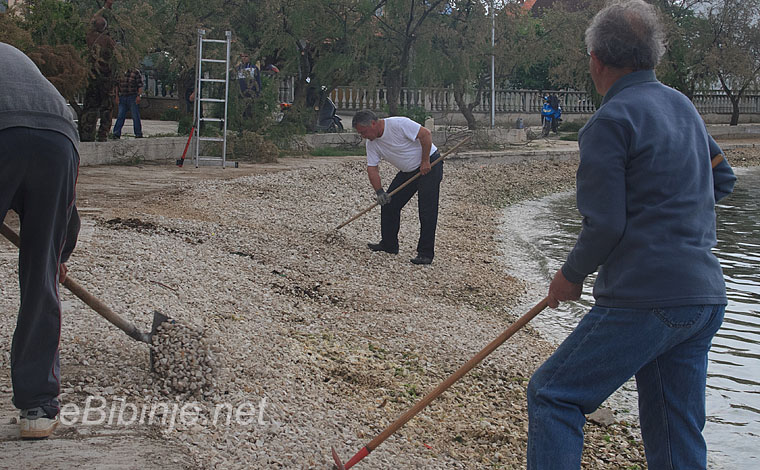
[[129, 90], [647, 191], [409, 147], [100, 93], [249, 77], [39, 161]]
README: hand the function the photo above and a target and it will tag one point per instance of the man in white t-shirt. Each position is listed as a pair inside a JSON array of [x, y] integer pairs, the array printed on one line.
[[409, 147]]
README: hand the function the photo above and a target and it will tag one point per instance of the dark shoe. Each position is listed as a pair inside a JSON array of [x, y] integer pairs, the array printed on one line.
[[36, 424], [421, 260], [115, 137], [381, 247], [138, 137]]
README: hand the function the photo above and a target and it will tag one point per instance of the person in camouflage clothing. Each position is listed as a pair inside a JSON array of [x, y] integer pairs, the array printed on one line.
[[99, 97]]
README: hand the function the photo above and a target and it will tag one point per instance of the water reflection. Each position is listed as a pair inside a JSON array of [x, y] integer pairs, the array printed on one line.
[[539, 234]]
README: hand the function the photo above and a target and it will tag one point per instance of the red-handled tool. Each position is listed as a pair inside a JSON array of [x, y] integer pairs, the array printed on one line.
[[522, 321]]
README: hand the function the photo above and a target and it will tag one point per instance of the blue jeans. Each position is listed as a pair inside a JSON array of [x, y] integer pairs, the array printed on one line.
[[128, 102], [666, 349]]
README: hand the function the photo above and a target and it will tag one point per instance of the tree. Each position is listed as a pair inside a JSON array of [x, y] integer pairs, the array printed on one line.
[[322, 43], [562, 42], [399, 24], [51, 33], [455, 51], [680, 66], [732, 39]]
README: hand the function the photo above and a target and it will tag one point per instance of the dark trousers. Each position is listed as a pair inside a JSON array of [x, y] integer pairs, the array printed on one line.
[[427, 188], [128, 103], [98, 102], [38, 178]]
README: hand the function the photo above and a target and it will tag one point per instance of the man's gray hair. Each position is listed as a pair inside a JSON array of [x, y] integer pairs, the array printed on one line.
[[627, 33], [363, 117]]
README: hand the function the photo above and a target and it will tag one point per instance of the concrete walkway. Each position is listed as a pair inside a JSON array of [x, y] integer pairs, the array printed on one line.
[[158, 147]]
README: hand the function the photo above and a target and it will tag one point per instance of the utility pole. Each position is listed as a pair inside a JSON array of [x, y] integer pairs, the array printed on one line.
[[493, 65]]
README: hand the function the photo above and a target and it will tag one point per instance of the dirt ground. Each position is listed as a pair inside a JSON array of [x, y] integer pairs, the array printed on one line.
[[348, 339], [104, 192]]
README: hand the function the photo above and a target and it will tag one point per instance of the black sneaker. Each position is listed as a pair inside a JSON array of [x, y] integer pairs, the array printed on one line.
[[421, 260], [381, 247], [115, 137]]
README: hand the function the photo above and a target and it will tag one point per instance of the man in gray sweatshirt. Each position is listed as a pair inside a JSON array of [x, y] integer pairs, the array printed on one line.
[[647, 190], [39, 164]]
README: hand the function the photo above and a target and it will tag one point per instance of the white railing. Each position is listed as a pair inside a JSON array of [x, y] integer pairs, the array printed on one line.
[[442, 100], [353, 98]]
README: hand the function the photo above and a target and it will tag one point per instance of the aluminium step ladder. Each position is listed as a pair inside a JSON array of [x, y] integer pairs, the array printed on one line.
[[207, 73]]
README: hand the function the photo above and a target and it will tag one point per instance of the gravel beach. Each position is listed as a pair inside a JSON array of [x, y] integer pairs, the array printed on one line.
[[316, 341]]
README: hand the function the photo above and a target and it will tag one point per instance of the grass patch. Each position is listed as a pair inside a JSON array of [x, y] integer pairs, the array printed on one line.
[[337, 151], [571, 126], [571, 136]]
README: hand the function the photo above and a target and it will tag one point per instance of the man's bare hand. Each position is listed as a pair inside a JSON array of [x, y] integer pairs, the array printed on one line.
[[425, 168], [561, 289], [62, 272]]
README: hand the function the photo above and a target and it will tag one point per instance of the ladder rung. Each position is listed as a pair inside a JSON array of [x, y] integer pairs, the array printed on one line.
[[216, 80], [212, 139], [218, 61], [212, 119], [215, 40], [213, 100]]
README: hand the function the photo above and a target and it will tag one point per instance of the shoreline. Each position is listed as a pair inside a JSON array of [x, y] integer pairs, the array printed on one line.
[[340, 341]]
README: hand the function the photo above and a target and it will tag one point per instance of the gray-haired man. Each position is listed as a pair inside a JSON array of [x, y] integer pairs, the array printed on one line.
[[647, 193], [409, 147]]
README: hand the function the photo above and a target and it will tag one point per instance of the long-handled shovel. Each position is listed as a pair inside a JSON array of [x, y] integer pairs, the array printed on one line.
[[440, 389], [95, 303], [405, 183]]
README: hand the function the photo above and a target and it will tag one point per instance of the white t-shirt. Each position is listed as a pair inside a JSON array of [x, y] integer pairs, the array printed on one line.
[[398, 145]]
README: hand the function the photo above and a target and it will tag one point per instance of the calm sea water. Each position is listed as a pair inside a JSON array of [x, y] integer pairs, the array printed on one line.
[[536, 237]]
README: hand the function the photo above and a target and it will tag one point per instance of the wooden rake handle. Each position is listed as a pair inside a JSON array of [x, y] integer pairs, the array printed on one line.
[[405, 183], [420, 405], [396, 425], [89, 299]]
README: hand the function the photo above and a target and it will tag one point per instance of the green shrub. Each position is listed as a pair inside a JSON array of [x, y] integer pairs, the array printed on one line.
[[184, 125], [171, 114], [417, 114], [282, 133], [570, 136], [250, 146]]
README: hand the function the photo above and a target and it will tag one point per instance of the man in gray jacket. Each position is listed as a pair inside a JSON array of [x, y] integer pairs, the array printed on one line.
[[39, 164], [646, 189]]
